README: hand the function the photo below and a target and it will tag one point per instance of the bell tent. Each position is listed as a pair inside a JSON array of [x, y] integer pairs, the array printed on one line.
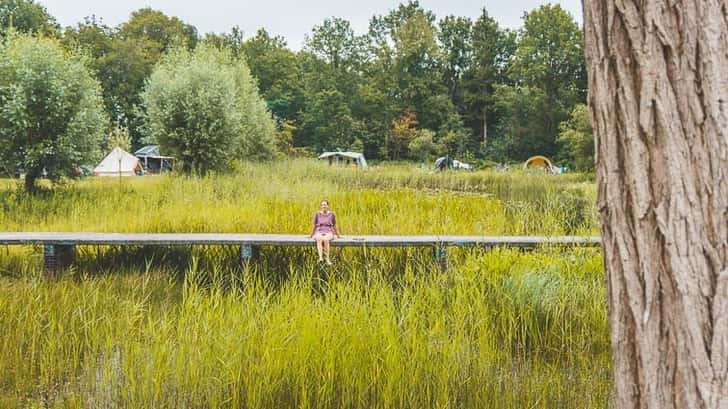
[[118, 163]]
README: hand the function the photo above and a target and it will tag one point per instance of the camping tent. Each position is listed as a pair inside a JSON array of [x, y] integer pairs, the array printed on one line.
[[456, 164], [443, 163], [446, 162], [345, 158], [538, 161], [118, 163]]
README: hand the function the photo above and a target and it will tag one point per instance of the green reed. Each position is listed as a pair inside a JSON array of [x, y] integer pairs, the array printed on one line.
[[280, 198], [168, 327], [501, 329]]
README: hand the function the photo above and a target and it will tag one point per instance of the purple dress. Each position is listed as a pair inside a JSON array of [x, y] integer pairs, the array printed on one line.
[[324, 222]]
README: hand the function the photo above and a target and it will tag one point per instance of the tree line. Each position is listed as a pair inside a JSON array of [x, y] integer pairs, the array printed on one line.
[[411, 88]]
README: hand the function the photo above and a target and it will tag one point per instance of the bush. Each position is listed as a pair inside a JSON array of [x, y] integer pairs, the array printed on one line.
[[577, 139]]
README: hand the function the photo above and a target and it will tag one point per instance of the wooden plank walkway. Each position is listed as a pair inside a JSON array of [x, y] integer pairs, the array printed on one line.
[[59, 248], [144, 239]]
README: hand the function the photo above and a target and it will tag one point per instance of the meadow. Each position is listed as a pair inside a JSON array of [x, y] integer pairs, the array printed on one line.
[[192, 327]]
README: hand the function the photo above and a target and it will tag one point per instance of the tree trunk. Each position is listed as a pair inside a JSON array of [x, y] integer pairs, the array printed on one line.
[[30, 176], [658, 84], [485, 128]]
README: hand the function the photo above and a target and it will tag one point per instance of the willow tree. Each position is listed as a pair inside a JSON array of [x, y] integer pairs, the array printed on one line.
[[203, 107], [51, 112], [658, 85]]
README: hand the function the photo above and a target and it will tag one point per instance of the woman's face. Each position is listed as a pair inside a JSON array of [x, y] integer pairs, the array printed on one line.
[[324, 205]]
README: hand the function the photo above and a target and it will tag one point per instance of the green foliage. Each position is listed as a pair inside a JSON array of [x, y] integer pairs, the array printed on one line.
[[336, 44], [422, 147], [401, 135], [455, 39], [276, 69], [577, 138], [344, 90], [493, 49], [51, 113], [124, 57], [26, 16], [519, 133], [284, 137], [203, 107], [119, 136], [550, 58], [164, 31]]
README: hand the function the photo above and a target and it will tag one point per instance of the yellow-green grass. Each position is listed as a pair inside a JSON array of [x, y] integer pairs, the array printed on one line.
[[501, 329], [190, 327], [281, 198]]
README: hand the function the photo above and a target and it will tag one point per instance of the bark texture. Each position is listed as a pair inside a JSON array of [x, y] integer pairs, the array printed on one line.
[[658, 85]]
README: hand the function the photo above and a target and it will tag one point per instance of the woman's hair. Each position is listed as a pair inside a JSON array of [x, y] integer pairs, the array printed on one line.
[[327, 202]]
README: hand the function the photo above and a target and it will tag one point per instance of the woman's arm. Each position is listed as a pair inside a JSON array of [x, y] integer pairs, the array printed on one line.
[[315, 221], [333, 225]]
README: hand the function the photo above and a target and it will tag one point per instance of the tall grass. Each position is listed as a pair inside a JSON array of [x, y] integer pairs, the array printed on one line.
[[503, 329], [191, 327], [282, 197]]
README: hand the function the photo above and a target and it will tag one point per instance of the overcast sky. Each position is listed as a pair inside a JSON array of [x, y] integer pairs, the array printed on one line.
[[289, 18]]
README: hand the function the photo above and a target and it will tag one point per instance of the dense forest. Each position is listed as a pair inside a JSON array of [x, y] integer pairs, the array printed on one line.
[[414, 86]]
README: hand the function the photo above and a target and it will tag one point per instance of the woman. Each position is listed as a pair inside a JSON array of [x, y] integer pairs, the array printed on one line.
[[324, 229]]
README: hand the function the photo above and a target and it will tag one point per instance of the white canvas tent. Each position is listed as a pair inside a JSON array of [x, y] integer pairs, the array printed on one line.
[[118, 163], [345, 158]]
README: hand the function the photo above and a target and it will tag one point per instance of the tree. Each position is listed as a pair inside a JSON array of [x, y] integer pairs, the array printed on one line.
[[422, 147], [124, 58], [657, 94], [330, 65], [118, 136], [455, 39], [493, 49], [335, 43], [401, 135], [519, 132], [550, 57], [276, 68], [51, 113], [204, 108], [26, 16], [577, 138], [164, 31]]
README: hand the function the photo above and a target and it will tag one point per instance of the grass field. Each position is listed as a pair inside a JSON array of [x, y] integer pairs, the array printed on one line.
[[181, 327]]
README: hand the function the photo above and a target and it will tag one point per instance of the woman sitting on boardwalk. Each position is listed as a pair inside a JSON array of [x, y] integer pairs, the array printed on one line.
[[324, 229]]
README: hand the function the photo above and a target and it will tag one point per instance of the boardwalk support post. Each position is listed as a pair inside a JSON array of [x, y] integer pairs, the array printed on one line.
[[248, 252], [56, 257], [441, 256]]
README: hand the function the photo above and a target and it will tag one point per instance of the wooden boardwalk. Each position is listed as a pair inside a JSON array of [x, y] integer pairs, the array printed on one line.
[[169, 239], [59, 248]]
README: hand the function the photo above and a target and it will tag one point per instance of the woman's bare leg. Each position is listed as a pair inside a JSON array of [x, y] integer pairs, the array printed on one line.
[[319, 248], [327, 250]]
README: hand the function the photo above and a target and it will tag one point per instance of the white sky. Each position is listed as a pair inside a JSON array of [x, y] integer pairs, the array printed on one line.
[[289, 18]]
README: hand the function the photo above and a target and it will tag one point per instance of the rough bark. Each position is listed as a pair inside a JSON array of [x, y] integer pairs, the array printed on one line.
[[658, 84]]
